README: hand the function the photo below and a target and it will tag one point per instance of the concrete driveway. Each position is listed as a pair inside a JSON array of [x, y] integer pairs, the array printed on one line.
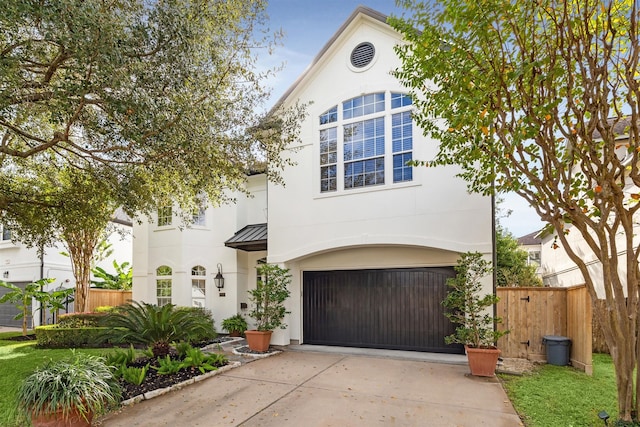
[[327, 389]]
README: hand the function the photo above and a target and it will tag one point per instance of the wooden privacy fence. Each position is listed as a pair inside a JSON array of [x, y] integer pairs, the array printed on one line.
[[110, 297], [531, 313], [599, 344]]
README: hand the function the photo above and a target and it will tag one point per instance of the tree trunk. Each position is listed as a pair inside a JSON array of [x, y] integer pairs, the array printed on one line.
[[81, 245], [25, 311], [620, 320]]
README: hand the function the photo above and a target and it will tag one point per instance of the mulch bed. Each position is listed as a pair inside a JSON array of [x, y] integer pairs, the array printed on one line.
[[246, 350], [28, 337], [154, 381]]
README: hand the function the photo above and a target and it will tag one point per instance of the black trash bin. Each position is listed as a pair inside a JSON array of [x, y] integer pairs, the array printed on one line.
[[558, 349]]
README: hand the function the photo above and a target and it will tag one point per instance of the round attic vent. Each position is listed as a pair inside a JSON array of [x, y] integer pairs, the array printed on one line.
[[362, 55]]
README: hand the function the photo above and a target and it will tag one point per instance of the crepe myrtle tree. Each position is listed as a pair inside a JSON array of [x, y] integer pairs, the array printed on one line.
[[78, 212], [542, 99]]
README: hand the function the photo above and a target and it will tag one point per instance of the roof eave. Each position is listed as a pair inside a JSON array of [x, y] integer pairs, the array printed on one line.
[[359, 10]]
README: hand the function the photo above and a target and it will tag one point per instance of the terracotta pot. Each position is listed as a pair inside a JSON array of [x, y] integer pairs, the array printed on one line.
[[234, 334], [258, 340], [56, 419], [482, 361]]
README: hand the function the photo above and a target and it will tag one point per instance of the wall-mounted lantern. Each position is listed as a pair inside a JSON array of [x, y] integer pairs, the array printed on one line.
[[219, 279]]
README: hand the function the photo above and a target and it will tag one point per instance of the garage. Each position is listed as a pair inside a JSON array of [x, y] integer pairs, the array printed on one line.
[[392, 309], [8, 310]]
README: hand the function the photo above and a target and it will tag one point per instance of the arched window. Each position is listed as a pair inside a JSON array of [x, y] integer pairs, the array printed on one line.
[[163, 285], [367, 142], [198, 286]]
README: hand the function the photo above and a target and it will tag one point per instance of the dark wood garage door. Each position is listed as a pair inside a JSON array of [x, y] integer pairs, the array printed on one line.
[[8, 310], [396, 309]]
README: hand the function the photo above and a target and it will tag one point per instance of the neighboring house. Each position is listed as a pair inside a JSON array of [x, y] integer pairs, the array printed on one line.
[[559, 269], [368, 240], [532, 244], [20, 265]]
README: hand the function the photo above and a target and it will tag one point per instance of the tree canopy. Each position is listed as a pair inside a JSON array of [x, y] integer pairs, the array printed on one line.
[[512, 268], [130, 104], [160, 99], [542, 99]]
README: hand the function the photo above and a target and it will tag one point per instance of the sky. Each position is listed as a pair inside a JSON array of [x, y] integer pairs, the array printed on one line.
[[308, 26]]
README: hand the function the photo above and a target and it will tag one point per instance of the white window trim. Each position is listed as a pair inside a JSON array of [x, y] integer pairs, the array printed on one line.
[[157, 218], [166, 277], [388, 149]]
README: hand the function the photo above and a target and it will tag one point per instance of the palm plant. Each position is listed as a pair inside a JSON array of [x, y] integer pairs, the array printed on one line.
[[122, 279], [158, 327], [22, 298]]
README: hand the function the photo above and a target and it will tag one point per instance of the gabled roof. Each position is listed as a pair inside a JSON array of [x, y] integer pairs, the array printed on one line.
[[251, 238], [620, 128], [121, 217], [530, 239], [367, 11]]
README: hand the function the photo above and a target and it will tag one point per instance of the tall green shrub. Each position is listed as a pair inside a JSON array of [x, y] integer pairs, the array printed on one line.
[[467, 307], [268, 297]]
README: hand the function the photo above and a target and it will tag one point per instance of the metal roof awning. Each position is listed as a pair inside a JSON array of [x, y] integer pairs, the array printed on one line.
[[251, 238]]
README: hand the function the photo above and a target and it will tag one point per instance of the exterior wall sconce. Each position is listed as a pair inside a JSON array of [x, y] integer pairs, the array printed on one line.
[[5, 274], [219, 279]]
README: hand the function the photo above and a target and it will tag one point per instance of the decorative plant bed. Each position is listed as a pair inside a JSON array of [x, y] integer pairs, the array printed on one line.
[[139, 377], [246, 351], [157, 385]]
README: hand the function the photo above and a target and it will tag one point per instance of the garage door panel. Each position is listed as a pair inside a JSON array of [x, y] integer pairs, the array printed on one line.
[[8, 310], [395, 309]]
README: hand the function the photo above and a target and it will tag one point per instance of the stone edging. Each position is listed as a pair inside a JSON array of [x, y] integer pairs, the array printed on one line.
[[215, 346], [257, 356], [161, 391]]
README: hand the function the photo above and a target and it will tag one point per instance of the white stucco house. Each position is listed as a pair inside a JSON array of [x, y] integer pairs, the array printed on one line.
[[20, 265], [558, 268], [532, 244], [368, 240]]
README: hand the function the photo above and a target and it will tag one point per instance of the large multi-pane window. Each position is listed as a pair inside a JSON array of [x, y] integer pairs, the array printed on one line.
[[402, 145], [328, 159], [363, 147], [198, 286], [165, 216], [363, 105], [370, 135], [163, 285]]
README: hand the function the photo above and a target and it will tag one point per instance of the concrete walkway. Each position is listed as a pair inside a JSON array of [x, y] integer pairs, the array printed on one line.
[[320, 389]]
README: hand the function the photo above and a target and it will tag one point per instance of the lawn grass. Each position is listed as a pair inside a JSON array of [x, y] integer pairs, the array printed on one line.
[[564, 396], [18, 359]]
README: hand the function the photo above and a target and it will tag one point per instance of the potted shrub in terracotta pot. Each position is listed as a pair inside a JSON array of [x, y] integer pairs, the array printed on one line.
[[472, 313], [235, 325], [68, 392], [268, 305]]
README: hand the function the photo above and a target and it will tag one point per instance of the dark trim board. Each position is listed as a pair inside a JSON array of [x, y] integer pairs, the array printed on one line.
[[397, 309]]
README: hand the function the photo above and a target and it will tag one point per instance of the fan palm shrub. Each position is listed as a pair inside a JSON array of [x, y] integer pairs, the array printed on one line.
[[157, 327]]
